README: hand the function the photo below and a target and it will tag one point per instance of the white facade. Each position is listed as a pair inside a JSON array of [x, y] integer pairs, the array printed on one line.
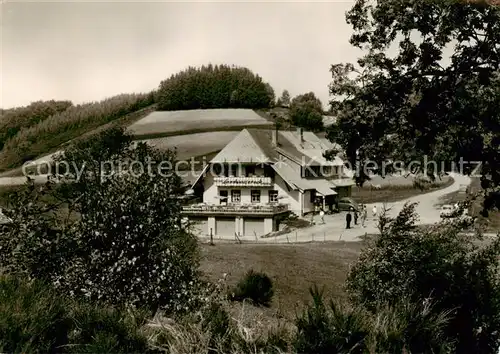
[[256, 180]]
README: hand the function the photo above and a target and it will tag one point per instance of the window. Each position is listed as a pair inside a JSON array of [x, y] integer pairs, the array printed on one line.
[[235, 196], [255, 194], [250, 170], [223, 197], [312, 171], [217, 169], [273, 196], [313, 196], [233, 170]]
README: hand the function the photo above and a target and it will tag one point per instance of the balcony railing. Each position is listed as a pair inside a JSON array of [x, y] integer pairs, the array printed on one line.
[[253, 209], [243, 181]]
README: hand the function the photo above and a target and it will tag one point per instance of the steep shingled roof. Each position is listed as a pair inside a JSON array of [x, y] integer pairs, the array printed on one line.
[[256, 145], [243, 148]]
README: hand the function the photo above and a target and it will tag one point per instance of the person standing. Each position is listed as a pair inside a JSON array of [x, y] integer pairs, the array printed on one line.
[[363, 216], [374, 211], [348, 219], [355, 216], [322, 215]]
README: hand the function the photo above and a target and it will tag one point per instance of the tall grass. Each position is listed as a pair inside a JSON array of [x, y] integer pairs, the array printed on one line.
[[407, 327], [61, 127], [35, 318]]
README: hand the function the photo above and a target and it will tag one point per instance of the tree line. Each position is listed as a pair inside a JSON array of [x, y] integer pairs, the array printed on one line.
[[15, 119], [214, 86]]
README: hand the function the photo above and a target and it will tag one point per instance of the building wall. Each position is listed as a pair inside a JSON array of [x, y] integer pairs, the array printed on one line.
[[308, 205], [292, 198], [243, 226], [210, 190], [343, 191]]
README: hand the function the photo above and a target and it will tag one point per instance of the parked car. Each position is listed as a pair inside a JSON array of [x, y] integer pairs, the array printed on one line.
[[346, 204]]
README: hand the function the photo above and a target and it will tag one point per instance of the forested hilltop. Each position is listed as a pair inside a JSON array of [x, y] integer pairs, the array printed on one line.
[[214, 86]]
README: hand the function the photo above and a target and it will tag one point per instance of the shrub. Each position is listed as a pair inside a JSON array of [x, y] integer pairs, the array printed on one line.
[[458, 273], [329, 329], [119, 238], [98, 329], [338, 328], [293, 221], [213, 328], [34, 317], [254, 286]]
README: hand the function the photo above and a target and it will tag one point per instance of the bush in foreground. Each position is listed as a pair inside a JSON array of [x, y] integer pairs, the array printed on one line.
[[456, 272], [254, 286], [36, 318], [340, 328], [116, 238]]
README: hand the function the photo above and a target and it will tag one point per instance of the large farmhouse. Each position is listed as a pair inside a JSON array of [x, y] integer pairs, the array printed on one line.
[[262, 175]]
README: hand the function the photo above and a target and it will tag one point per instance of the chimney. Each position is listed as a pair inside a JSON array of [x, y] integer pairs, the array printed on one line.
[[300, 133], [274, 134]]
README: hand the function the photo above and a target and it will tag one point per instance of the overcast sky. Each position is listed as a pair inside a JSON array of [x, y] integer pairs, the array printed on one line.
[[88, 51]]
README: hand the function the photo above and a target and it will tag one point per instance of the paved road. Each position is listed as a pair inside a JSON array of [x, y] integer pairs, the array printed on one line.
[[334, 227], [17, 181]]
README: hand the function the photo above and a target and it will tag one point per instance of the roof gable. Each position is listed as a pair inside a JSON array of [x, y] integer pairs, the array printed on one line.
[[310, 150], [243, 148]]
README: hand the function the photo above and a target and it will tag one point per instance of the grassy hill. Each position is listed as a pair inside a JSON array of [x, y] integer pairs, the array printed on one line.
[[51, 133], [193, 133]]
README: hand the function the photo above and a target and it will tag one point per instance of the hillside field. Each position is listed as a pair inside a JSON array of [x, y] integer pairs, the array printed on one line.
[[192, 145], [171, 123]]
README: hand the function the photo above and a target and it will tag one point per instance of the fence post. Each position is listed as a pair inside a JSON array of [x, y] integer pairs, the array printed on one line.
[[324, 236], [211, 238], [295, 236]]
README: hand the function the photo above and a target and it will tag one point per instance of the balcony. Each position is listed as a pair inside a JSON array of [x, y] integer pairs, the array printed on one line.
[[234, 209], [243, 181]]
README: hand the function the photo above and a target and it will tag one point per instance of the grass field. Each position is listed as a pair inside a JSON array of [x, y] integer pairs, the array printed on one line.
[[194, 144], [293, 268], [394, 189], [159, 124]]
